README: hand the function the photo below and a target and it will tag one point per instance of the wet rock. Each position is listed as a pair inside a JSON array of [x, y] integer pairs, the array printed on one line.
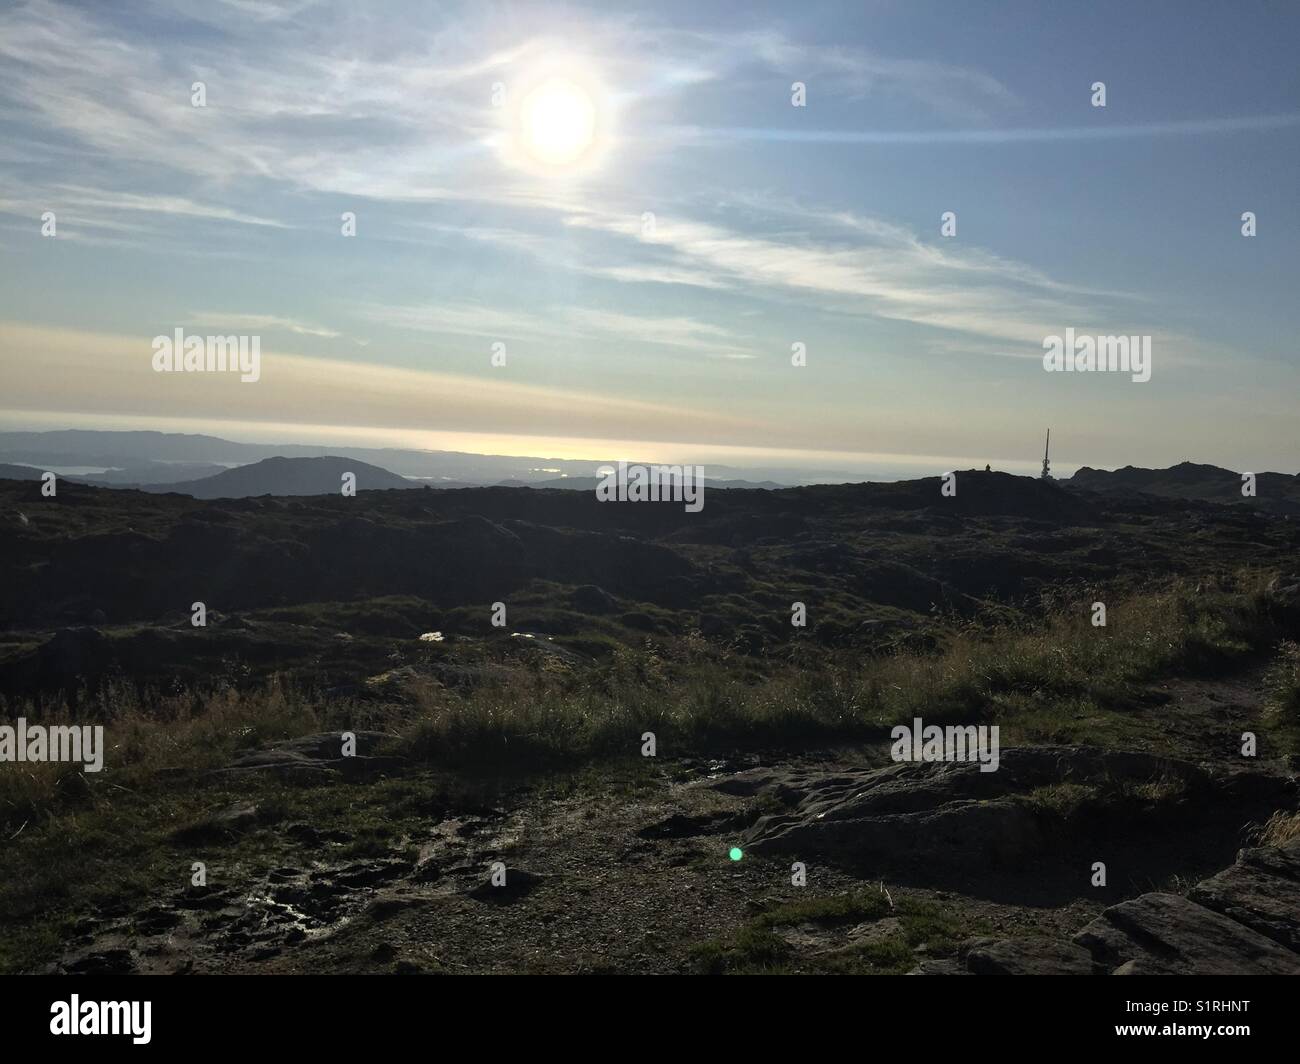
[[1165, 933]]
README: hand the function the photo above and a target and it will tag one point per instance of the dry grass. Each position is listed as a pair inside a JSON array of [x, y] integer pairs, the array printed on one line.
[[693, 700], [1280, 829]]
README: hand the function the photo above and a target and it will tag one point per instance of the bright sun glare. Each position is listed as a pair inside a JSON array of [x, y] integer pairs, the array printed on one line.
[[558, 122]]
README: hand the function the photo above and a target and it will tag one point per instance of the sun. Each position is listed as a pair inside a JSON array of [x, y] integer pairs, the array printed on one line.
[[558, 122]]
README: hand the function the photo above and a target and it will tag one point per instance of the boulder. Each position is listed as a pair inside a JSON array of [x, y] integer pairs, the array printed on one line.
[[1258, 893], [1028, 956], [1169, 934]]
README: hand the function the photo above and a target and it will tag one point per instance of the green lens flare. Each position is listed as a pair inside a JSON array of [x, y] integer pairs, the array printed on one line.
[[737, 853]]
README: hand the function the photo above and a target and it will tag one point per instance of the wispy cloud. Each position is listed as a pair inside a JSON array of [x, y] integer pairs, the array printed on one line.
[[115, 218], [867, 268], [217, 319], [1111, 131], [958, 92], [565, 323]]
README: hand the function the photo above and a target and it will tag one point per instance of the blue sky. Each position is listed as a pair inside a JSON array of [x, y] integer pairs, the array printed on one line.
[[772, 225]]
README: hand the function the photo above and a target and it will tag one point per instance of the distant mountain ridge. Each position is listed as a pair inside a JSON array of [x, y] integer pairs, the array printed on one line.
[[286, 476], [1276, 492], [19, 472]]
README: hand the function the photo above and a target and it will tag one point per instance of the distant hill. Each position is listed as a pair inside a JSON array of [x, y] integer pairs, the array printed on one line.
[[19, 472], [1276, 492], [286, 476]]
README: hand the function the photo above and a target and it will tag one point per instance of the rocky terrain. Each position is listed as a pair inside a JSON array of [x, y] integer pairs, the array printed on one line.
[[498, 813], [929, 869], [101, 583]]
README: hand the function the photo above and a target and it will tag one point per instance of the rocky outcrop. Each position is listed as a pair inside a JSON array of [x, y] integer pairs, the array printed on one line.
[[959, 812], [1262, 891], [1010, 956], [1165, 934], [1244, 920], [318, 758]]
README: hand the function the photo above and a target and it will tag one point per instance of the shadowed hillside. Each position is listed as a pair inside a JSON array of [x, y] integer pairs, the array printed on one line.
[[1275, 492]]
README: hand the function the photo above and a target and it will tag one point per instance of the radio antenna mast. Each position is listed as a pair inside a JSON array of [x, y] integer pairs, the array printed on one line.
[[1047, 465]]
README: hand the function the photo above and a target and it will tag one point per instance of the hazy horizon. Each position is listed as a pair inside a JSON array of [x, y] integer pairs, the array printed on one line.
[[887, 467]]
